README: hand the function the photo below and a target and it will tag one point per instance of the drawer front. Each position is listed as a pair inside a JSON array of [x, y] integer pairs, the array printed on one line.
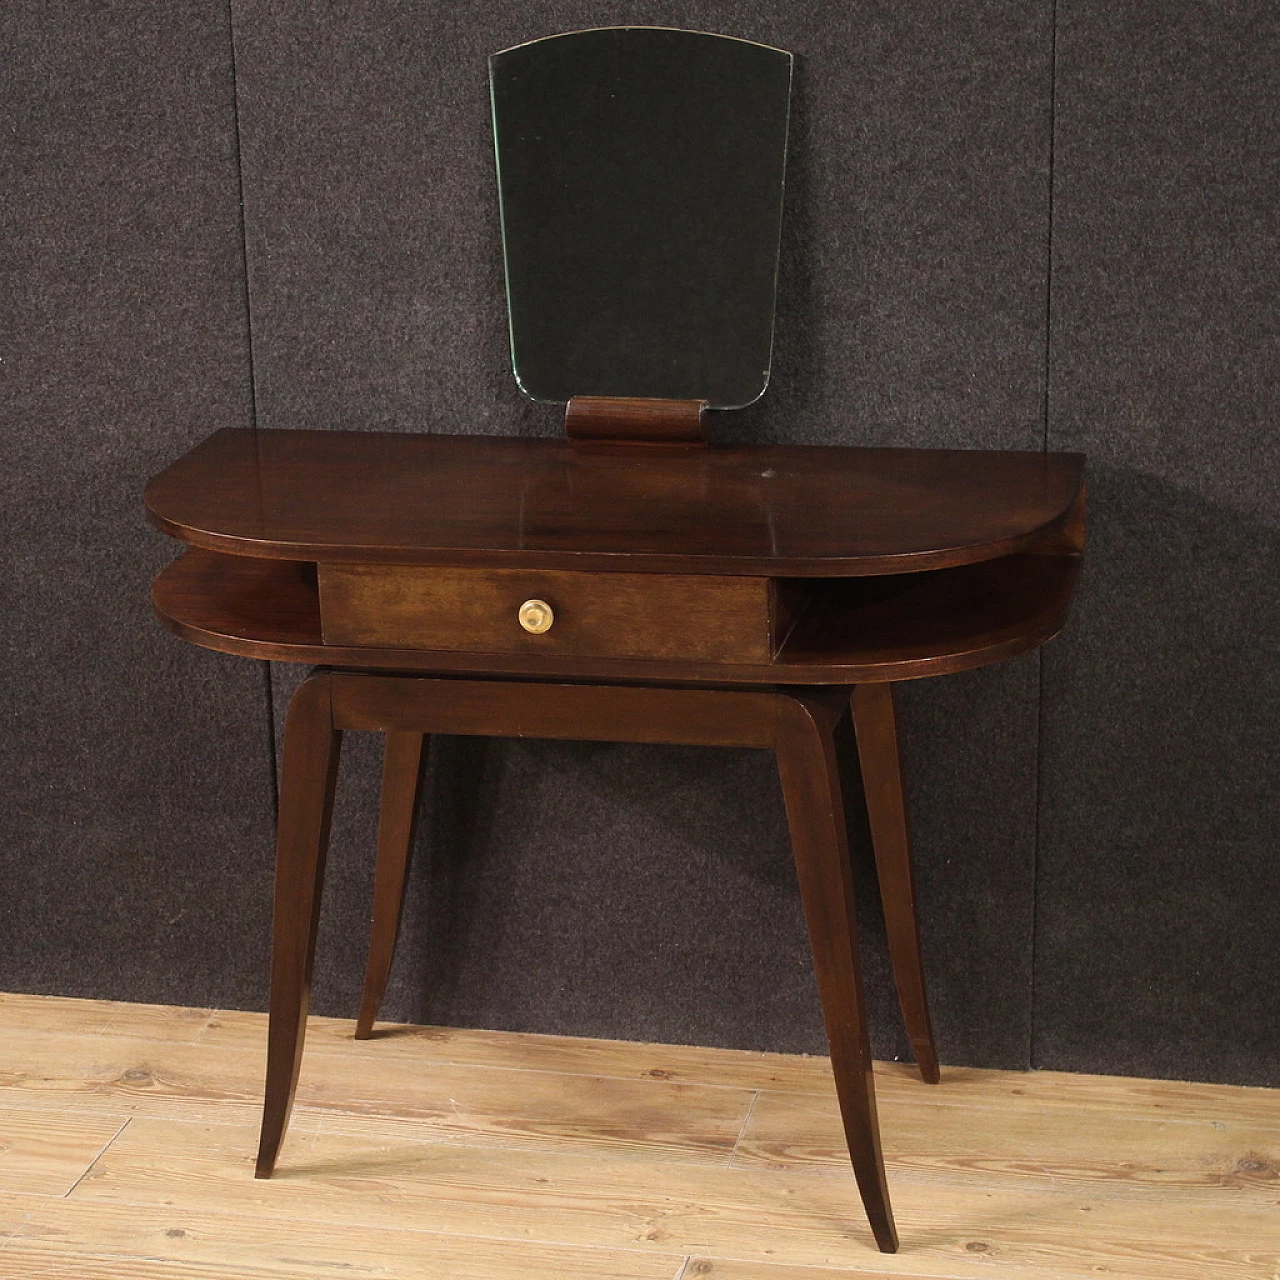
[[602, 615]]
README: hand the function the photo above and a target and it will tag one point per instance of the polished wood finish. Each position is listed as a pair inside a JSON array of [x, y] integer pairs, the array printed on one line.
[[911, 625], [874, 723], [597, 615], [876, 728], [636, 421], [403, 760], [504, 503], [799, 728], [578, 712], [771, 572], [854, 631], [815, 814], [307, 780]]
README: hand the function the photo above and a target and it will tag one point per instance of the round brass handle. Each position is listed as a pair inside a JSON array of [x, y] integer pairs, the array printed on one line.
[[536, 616]]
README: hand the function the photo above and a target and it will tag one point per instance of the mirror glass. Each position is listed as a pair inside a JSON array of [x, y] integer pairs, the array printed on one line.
[[640, 174]]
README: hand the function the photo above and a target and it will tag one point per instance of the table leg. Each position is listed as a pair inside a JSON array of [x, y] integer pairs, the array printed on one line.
[[876, 729], [807, 765], [308, 777], [404, 757]]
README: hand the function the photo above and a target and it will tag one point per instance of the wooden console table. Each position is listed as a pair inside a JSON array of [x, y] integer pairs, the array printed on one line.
[[561, 588]]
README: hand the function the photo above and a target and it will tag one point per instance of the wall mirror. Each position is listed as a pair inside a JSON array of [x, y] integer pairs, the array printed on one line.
[[640, 176]]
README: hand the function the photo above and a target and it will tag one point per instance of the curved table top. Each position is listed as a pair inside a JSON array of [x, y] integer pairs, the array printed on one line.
[[492, 501]]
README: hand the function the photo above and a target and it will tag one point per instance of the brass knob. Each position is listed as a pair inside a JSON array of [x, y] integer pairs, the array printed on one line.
[[536, 616]]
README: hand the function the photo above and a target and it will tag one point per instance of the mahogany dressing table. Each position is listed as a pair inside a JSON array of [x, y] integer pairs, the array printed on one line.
[[629, 582]]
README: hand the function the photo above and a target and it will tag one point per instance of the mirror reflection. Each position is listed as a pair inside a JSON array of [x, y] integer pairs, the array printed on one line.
[[640, 175]]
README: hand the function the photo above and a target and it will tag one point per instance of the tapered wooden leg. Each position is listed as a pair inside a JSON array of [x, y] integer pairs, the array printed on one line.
[[403, 759], [307, 780], [815, 813], [876, 729]]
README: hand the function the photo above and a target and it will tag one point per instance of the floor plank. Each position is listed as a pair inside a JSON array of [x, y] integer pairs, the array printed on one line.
[[1030, 1145], [736, 1269], [1175, 1100], [88, 1239], [551, 1197], [788, 1073], [46, 1154], [217, 1081], [15, 1209], [523, 1051]]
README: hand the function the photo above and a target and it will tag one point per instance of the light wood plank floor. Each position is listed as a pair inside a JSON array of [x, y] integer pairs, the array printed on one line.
[[127, 1135]]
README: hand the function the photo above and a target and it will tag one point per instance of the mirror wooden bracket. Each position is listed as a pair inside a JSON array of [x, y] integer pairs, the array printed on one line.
[[635, 420]]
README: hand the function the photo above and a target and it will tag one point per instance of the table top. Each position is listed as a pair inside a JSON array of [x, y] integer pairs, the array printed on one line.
[[773, 510]]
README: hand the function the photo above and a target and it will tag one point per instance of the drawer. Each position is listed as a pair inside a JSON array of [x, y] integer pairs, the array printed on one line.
[[596, 615]]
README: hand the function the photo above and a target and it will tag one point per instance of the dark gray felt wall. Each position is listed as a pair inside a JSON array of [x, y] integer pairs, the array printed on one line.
[[285, 215], [135, 842], [1158, 938]]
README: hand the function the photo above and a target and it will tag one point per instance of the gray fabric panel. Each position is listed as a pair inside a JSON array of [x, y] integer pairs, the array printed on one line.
[[1158, 923], [970, 763], [657, 900], [137, 802], [137, 858], [912, 284]]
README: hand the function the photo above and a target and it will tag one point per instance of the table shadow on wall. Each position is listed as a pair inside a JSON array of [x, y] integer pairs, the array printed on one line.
[[1158, 925]]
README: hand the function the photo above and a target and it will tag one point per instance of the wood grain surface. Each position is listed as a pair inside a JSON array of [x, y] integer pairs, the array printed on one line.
[[861, 630], [800, 727], [404, 758], [502, 502], [428, 1152], [708, 617], [631, 420]]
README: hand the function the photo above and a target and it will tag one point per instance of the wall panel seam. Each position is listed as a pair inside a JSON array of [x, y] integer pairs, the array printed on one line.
[[1032, 1056], [243, 220], [267, 676]]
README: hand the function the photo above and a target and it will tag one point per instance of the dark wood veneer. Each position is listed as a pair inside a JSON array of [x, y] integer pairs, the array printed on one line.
[[713, 618], [486, 501], [854, 630], [701, 589], [799, 726], [636, 421]]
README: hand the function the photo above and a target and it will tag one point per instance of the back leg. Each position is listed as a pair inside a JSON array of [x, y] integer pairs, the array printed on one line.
[[876, 729], [404, 758]]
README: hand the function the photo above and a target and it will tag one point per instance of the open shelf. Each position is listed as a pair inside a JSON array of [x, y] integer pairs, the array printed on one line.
[[851, 631]]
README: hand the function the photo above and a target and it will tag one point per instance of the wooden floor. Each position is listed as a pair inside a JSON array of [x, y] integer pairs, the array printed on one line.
[[127, 1135]]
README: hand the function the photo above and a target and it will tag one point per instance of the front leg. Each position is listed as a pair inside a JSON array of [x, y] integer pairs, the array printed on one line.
[[307, 781], [807, 764]]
